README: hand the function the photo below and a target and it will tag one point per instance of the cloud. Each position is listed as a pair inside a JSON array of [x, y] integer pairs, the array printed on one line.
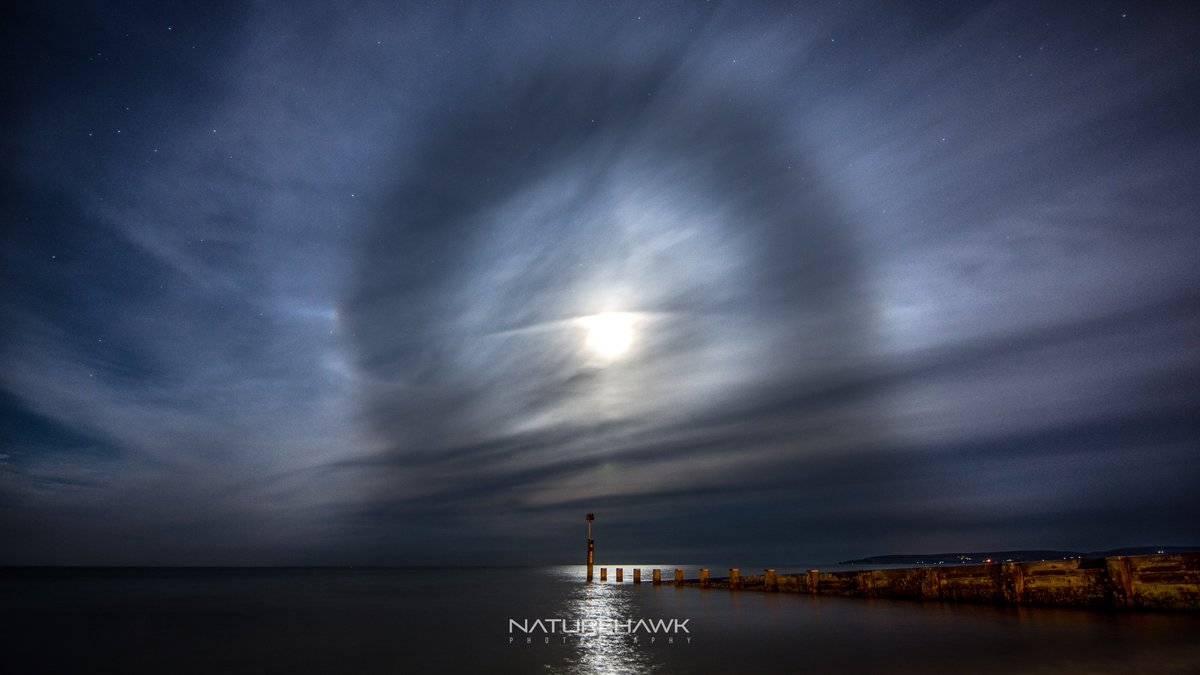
[[901, 280]]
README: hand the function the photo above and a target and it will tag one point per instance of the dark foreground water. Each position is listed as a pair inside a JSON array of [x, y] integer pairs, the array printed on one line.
[[457, 620]]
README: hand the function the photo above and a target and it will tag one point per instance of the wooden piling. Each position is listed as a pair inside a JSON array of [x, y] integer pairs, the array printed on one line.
[[656, 576], [1119, 569], [931, 584], [1012, 583], [603, 574], [591, 549], [620, 574], [865, 583], [704, 574], [770, 580], [637, 575], [735, 577], [678, 577], [813, 579]]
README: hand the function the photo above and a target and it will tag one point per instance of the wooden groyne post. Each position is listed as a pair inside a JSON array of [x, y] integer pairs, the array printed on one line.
[[704, 577], [1120, 576], [656, 576], [620, 574], [735, 577], [603, 574], [637, 575], [591, 551], [678, 577]]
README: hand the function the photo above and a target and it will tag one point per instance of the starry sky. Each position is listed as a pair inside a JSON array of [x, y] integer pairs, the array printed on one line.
[[311, 283]]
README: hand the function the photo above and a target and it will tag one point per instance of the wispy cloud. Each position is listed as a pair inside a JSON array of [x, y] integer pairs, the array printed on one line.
[[897, 280]]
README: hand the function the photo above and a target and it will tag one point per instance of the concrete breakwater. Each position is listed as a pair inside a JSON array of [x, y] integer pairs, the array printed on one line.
[[1169, 581]]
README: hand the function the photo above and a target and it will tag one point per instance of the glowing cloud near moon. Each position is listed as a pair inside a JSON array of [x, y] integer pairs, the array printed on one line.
[[609, 335]]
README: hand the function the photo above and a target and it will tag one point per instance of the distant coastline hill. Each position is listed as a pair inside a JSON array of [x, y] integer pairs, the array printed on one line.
[[976, 557]]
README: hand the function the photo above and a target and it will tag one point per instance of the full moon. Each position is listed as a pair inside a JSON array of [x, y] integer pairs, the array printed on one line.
[[609, 335]]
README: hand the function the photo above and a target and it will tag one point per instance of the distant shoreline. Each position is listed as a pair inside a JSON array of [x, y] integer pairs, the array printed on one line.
[[976, 557]]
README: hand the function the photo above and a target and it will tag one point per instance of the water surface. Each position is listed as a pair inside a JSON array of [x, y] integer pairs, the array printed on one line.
[[405, 620]]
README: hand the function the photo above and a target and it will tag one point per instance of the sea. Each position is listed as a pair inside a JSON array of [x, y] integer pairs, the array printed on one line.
[[537, 620]]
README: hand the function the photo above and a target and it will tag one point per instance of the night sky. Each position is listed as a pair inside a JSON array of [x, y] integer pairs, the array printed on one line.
[[332, 283]]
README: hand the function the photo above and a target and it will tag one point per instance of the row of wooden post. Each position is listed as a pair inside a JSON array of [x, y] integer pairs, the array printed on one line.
[[770, 578], [655, 576]]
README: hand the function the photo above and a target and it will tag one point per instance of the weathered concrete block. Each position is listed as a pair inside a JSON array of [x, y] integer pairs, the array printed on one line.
[[971, 583], [792, 583], [1166, 581], [837, 583], [1064, 583], [865, 583]]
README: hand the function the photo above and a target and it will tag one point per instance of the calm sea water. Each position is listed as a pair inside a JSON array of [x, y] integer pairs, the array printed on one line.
[[457, 620]]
